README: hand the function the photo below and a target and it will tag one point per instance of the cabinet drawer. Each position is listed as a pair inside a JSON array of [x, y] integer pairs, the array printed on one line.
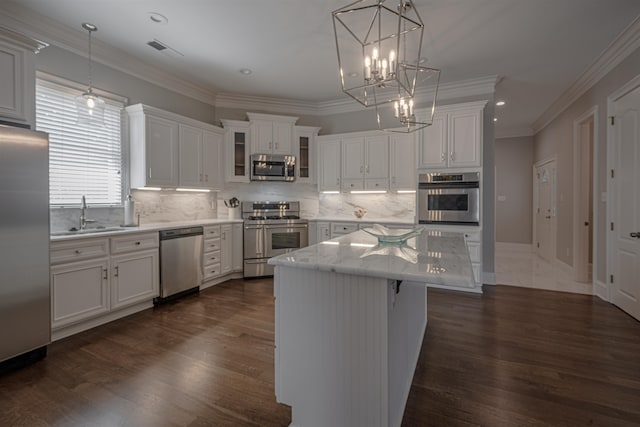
[[211, 245], [134, 242], [212, 232], [340, 228], [474, 251], [211, 271], [352, 184], [76, 250], [376, 184], [211, 258], [472, 236]]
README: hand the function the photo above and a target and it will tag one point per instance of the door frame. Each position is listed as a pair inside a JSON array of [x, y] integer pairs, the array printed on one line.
[[603, 290], [554, 206], [580, 243]]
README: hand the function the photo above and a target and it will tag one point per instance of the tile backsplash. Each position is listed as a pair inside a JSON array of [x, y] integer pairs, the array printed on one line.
[[167, 206]]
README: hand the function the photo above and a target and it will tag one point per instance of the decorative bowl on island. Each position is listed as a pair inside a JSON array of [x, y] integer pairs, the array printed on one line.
[[397, 236]]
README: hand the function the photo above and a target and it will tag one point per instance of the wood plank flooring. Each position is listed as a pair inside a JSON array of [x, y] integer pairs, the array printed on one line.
[[512, 357]]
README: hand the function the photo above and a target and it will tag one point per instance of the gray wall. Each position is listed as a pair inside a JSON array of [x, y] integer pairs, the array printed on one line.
[[514, 181], [556, 139]]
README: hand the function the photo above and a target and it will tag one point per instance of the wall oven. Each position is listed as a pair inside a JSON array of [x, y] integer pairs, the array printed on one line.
[[270, 229], [272, 167], [449, 198]]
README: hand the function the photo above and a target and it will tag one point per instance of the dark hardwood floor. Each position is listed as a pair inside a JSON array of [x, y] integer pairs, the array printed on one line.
[[512, 357]]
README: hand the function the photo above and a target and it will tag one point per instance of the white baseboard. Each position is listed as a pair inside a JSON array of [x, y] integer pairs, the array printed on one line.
[[221, 279], [601, 290], [488, 278], [514, 247]]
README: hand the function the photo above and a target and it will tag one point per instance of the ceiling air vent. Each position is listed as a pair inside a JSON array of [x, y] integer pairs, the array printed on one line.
[[162, 47]]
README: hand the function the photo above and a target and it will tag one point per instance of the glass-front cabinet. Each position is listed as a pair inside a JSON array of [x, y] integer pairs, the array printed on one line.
[[304, 146], [236, 150]]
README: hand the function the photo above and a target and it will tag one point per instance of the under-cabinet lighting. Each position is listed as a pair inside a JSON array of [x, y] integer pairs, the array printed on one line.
[[330, 192], [406, 191], [362, 245], [330, 243], [194, 190], [150, 188], [368, 192]]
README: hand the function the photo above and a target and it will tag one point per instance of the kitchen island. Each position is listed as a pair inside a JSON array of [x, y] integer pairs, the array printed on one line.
[[349, 321]]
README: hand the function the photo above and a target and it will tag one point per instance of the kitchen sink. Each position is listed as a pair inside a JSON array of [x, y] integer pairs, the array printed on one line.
[[74, 231]]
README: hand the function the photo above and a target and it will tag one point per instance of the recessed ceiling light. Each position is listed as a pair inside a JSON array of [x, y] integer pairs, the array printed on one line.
[[157, 18], [500, 103], [245, 71], [495, 119]]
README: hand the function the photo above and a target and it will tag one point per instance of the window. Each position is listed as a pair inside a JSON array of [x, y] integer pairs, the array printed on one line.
[[83, 159]]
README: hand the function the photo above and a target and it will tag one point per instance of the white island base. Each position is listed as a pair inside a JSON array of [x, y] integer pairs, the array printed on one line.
[[346, 346]]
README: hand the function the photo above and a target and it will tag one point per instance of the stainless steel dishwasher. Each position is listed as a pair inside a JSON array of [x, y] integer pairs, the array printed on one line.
[[180, 262]]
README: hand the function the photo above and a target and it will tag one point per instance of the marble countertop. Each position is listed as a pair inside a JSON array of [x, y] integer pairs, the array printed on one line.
[[116, 231], [435, 257], [365, 220]]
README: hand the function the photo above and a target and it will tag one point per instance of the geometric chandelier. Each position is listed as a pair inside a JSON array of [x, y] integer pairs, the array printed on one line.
[[379, 45]]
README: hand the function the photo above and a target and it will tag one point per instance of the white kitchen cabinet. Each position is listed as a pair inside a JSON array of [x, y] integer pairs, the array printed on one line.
[[226, 249], [200, 158], [473, 240], [154, 149], [324, 231], [305, 151], [134, 278], [18, 76], [342, 228], [211, 254], [238, 255], [271, 134], [328, 164], [237, 134], [455, 138], [365, 163], [312, 236], [402, 162], [79, 291]]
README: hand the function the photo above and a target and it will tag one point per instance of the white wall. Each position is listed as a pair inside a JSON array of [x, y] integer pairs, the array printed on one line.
[[556, 139]]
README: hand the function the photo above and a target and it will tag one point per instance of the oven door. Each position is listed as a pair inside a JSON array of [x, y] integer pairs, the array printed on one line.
[[281, 239], [254, 241], [449, 206]]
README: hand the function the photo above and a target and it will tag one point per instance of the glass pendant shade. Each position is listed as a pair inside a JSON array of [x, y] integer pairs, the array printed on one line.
[[378, 44], [90, 107], [410, 114]]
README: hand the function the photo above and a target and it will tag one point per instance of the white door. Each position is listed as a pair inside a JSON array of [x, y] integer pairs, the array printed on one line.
[[402, 173], [433, 143], [190, 143], [626, 195], [545, 178], [329, 165], [135, 278]]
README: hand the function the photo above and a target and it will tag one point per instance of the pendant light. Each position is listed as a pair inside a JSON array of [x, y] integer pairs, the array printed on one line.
[[89, 105]]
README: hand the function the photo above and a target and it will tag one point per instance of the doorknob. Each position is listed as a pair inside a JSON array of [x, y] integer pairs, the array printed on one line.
[[636, 234], [547, 217], [586, 223]]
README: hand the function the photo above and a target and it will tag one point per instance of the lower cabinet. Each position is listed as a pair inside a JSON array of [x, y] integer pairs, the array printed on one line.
[[238, 255], [324, 231], [226, 249], [474, 244], [79, 291], [91, 278], [222, 252]]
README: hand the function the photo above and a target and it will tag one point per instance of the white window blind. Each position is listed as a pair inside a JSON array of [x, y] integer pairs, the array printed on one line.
[[83, 159]]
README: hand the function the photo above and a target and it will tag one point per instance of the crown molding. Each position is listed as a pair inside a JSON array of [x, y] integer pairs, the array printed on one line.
[[513, 132], [623, 46], [272, 105], [34, 25]]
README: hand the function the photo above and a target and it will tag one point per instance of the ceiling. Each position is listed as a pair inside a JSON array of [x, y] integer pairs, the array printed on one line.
[[537, 48]]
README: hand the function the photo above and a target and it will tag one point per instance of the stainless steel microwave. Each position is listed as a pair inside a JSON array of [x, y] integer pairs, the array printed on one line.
[[449, 198], [273, 167]]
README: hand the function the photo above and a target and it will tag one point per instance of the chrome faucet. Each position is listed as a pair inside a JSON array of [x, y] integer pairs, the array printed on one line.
[[83, 214]]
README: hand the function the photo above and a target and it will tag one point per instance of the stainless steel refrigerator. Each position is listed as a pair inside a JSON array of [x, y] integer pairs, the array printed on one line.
[[25, 303]]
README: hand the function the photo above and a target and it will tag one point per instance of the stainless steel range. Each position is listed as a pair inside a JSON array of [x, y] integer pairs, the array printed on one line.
[[270, 229]]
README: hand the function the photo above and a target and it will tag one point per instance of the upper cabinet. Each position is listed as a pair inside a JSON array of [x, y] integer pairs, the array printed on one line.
[[365, 163], [454, 139], [402, 161], [271, 134], [304, 148], [329, 164], [172, 151], [236, 147], [18, 76]]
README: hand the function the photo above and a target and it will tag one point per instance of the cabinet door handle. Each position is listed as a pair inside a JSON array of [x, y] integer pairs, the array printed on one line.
[[635, 235], [115, 273], [452, 156], [224, 235], [78, 251], [149, 173], [104, 271], [442, 157], [137, 243], [367, 169], [352, 185]]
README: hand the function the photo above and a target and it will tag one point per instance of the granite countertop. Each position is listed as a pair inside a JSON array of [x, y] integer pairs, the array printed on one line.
[[434, 257], [116, 231]]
